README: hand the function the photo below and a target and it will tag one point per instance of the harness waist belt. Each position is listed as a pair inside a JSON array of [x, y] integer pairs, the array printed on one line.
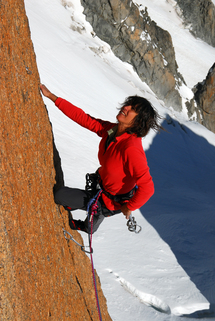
[[94, 183], [120, 197]]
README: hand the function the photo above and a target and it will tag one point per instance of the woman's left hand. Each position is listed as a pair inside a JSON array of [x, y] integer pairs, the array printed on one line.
[[47, 93], [125, 210]]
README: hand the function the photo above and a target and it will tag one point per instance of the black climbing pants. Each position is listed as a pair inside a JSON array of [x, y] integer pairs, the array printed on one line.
[[75, 198]]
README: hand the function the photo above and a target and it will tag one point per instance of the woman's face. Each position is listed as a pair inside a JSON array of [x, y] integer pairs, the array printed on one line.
[[126, 116]]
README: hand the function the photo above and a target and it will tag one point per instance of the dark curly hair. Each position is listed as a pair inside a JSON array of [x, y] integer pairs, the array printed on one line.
[[147, 117]]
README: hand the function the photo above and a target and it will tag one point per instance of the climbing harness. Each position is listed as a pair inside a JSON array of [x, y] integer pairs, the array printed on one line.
[[94, 184], [132, 225]]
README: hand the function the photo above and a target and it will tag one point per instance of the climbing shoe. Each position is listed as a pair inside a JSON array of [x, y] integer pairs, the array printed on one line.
[[77, 225]]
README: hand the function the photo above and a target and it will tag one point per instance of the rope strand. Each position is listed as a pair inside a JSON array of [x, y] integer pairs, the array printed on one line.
[[93, 203], [94, 206]]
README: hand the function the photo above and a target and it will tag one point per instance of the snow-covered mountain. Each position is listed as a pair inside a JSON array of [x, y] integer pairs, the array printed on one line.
[[168, 269]]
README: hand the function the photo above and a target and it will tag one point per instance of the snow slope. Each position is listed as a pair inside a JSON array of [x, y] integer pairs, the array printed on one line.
[[168, 269]]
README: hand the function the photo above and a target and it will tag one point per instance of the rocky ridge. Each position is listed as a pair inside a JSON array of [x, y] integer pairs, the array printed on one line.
[[204, 95], [136, 39], [199, 17]]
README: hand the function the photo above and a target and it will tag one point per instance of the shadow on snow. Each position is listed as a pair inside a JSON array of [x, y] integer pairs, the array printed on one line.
[[182, 210]]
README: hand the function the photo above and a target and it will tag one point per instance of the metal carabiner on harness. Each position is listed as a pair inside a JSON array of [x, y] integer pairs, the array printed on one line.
[[132, 225]]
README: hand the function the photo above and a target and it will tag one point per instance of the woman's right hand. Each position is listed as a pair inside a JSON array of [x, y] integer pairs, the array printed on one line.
[[47, 93], [125, 210]]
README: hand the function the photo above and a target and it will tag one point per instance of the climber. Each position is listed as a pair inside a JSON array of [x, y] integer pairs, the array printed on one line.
[[123, 174]]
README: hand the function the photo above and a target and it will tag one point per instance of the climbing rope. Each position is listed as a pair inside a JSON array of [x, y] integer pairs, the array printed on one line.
[[92, 208], [91, 211]]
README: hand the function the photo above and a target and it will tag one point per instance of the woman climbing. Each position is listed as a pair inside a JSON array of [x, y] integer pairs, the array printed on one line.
[[123, 174]]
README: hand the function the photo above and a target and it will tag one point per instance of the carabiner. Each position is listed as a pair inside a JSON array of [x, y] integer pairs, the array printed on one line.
[[132, 225], [71, 238]]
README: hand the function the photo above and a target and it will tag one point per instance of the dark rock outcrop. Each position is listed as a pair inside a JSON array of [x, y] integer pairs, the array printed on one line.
[[136, 39], [199, 16], [42, 276], [204, 95]]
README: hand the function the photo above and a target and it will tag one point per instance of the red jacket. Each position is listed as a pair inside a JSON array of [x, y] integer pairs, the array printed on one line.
[[123, 164]]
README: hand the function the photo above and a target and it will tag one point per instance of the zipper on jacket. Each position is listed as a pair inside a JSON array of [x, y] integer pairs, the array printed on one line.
[[111, 137]]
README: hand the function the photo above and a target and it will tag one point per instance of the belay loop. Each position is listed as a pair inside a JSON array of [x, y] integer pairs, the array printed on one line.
[[92, 206], [133, 226]]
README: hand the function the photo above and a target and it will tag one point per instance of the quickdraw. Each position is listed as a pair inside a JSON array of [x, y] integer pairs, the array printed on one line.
[[71, 238]]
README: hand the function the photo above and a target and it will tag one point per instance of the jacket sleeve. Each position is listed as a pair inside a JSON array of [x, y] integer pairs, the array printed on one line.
[[80, 117], [136, 163]]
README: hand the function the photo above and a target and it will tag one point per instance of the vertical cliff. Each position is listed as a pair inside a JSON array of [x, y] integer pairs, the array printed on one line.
[[42, 276]]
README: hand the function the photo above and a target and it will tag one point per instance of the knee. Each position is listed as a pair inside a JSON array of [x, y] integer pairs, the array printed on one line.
[[60, 195], [56, 197]]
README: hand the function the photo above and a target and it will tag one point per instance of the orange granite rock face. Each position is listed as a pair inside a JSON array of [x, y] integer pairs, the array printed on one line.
[[42, 275]]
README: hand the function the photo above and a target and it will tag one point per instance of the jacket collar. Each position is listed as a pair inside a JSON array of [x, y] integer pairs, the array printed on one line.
[[112, 134]]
